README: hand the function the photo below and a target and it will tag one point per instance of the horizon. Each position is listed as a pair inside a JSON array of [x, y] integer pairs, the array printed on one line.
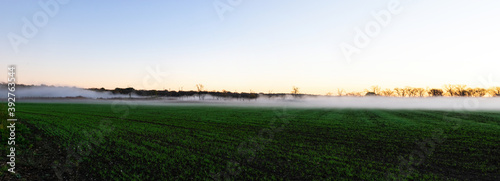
[[448, 90]]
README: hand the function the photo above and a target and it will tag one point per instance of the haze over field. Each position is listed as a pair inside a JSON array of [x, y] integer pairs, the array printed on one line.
[[431, 103], [60, 92]]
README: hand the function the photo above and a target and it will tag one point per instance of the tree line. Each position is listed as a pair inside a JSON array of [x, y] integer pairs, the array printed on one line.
[[200, 93], [450, 90]]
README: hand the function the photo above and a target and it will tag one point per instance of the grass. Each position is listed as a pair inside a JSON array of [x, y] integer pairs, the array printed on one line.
[[123, 142]]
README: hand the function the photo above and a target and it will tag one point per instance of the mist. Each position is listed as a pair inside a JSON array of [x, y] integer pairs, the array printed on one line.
[[369, 102], [59, 92], [45, 93], [422, 103]]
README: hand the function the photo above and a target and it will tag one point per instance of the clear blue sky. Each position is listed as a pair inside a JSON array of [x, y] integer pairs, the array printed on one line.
[[259, 45]]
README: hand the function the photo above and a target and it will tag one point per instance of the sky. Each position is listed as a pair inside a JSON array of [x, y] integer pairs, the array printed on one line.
[[261, 46]]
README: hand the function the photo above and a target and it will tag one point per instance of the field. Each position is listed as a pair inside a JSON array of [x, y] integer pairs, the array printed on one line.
[[139, 142]]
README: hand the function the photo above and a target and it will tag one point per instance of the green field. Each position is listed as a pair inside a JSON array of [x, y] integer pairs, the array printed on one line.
[[137, 142]]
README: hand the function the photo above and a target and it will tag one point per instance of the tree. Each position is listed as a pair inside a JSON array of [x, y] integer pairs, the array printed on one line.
[[435, 92], [480, 92], [475, 92], [354, 94], [370, 94], [129, 91], [448, 89], [295, 91], [420, 92], [374, 90], [340, 92], [399, 92], [200, 88], [408, 91], [387, 92], [252, 95], [495, 91], [461, 90]]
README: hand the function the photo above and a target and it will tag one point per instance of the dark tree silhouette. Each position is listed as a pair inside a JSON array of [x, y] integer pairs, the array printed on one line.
[[295, 91], [200, 88], [461, 90], [435, 92], [370, 94]]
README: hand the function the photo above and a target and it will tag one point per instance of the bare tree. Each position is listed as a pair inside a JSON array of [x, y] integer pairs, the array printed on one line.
[[375, 89], [340, 92], [495, 91], [408, 91], [449, 89], [399, 92], [470, 92], [387, 92], [200, 88], [354, 94], [420, 92], [461, 90], [295, 91]]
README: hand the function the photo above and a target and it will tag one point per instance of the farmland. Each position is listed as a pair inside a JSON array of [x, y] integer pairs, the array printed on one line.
[[140, 142]]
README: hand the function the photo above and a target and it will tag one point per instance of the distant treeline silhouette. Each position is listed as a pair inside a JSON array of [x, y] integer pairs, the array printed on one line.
[[167, 93], [447, 90]]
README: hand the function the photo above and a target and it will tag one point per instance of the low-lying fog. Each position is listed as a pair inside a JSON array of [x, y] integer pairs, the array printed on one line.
[[60, 94], [50, 91]]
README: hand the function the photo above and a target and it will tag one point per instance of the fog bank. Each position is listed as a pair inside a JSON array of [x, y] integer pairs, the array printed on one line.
[[58, 92], [426, 103], [63, 94]]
